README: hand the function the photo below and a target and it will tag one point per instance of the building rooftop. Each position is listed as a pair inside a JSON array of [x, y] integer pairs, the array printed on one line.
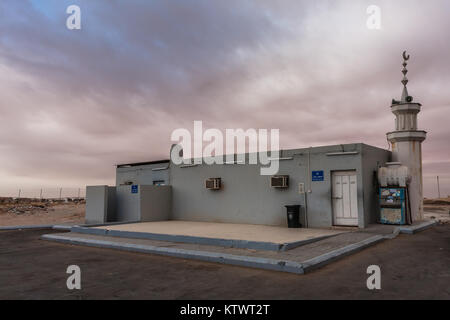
[[136, 164]]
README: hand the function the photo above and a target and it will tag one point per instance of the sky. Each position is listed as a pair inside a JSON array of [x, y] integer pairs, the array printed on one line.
[[74, 103]]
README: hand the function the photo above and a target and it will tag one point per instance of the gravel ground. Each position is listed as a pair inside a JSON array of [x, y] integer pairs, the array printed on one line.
[[35, 212]]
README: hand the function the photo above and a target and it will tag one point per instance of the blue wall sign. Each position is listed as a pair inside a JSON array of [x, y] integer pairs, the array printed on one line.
[[134, 189], [317, 176]]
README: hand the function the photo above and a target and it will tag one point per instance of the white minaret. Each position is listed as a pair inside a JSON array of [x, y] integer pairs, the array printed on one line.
[[406, 143]]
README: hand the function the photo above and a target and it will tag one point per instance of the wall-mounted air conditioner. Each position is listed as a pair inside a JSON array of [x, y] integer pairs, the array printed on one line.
[[213, 183], [279, 181]]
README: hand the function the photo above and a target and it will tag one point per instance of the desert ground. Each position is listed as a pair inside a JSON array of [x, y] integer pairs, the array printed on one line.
[[24, 212], [111, 274], [437, 209], [412, 267]]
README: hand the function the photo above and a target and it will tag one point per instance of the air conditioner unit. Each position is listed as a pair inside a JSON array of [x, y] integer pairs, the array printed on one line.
[[279, 181], [213, 183]]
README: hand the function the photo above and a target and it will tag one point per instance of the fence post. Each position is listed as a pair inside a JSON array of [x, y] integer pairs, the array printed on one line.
[[439, 190]]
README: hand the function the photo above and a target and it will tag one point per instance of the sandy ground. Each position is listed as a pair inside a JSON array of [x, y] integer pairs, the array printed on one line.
[[34, 212], [437, 209]]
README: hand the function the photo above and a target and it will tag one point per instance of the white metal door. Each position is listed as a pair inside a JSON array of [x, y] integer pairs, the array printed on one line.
[[345, 198]]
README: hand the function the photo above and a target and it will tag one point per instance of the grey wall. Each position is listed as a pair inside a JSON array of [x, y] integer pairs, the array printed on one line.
[[151, 203], [100, 204], [127, 204], [372, 158], [155, 203], [247, 197], [142, 175]]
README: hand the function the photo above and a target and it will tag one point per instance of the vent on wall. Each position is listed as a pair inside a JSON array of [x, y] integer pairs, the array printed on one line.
[[279, 181], [213, 183]]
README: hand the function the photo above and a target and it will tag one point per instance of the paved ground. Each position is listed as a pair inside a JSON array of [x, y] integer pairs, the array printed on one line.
[[235, 231], [413, 267]]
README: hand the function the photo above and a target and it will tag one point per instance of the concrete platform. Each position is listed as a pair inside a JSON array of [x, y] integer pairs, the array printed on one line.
[[299, 260], [417, 227], [246, 236]]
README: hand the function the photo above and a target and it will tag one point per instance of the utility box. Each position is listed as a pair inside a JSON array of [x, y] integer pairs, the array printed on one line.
[[100, 204], [393, 205]]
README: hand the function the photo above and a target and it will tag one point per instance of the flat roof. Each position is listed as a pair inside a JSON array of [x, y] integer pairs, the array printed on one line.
[[339, 147], [136, 164]]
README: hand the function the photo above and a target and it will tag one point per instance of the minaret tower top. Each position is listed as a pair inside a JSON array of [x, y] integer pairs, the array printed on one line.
[[406, 143], [405, 80], [406, 110], [406, 98]]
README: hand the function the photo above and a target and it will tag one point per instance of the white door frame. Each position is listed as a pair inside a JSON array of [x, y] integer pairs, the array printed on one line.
[[344, 202]]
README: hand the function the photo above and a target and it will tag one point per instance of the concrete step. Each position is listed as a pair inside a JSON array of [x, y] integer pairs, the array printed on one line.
[[299, 260]]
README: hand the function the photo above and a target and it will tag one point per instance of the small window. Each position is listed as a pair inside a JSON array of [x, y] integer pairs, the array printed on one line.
[[159, 183]]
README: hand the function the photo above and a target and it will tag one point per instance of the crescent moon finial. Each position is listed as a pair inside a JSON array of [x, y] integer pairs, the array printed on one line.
[[405, 57], [405, 95]]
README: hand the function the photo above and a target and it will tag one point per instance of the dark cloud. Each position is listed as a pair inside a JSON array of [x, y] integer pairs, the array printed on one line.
[[74, 103]]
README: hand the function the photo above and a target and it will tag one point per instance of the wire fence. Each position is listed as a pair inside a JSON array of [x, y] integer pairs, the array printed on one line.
[[44, 193]]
